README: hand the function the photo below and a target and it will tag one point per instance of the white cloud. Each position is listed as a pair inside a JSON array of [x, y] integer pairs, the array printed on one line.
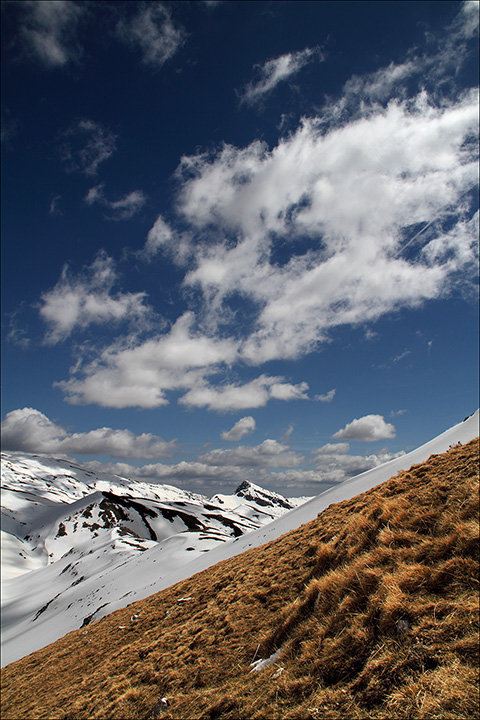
[[253, 394], [122, 209], [160, 235], [466, 23], [29, 430], [378, 188], [287, 391], [328, 397], [333, 449], [54, 209], [133, 374], [401, 356], [241, 428], [153, 32], [85, 145], [48, 31], [367, 429], [95, 195], [277, 70], [77, 302], [270, 454], [334, 464], [287, 433], [416, 166]]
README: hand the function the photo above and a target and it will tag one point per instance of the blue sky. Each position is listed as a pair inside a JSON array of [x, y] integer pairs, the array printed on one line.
[[239, 240]]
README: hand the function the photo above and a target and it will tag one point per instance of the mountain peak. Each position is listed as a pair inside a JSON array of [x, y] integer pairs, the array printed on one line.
[[254, 493]]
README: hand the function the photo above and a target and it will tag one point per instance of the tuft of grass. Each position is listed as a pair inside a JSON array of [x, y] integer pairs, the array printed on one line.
[[373, 606]]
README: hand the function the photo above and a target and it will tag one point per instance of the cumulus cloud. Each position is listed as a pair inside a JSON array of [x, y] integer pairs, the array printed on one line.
[[153, 32], [367, 429], [77, 302], [253, 394], [48, 31], [85, 145], [122, 209], [29, 430], [275, 71], [334, 464], [241, 428], [129, 374], [270, 453]]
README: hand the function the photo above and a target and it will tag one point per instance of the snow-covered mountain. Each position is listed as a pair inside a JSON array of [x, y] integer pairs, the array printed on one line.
[[114, 568], [65, 530]]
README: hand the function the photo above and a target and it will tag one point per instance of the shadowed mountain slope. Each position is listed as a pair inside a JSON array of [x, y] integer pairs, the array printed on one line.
[[368, 611]]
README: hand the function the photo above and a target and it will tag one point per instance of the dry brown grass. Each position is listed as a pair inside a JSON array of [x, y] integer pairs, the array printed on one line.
[[374, 605]]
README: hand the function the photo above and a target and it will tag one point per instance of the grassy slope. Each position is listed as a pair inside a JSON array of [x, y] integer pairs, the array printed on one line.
[[374, 604]]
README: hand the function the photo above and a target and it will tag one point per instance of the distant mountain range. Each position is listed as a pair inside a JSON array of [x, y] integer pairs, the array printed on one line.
[[75, 541]]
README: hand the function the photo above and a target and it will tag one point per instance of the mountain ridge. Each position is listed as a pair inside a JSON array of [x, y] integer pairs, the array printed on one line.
[[65, 530]]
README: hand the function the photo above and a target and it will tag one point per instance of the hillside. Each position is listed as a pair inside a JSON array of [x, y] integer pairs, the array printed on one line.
[[77, 545], [368, 611]]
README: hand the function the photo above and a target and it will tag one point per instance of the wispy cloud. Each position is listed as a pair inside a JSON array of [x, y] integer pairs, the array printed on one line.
[[397, 413], [9, 128], [85, 145], [275, 71], [328, 397], [467, 21], [48, 31], [29, 430], [242, 427], [53, 209], [153, 32], [122, 209], [433, 69], [79, 301]]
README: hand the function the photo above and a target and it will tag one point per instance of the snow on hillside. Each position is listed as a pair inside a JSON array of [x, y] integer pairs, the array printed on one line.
[[66, 532], [43, 605]]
